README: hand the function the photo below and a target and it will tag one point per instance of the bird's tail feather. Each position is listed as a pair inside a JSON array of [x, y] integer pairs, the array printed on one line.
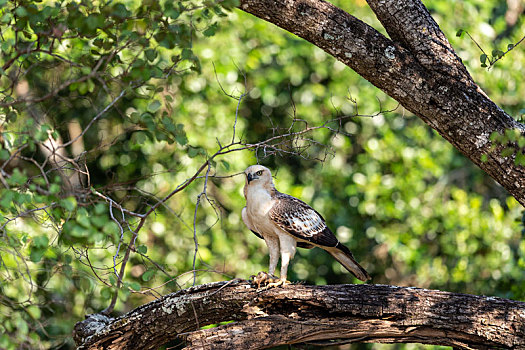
[[345, 257]]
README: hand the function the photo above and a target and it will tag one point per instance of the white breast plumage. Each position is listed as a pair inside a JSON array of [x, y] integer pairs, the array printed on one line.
[[259, 202]]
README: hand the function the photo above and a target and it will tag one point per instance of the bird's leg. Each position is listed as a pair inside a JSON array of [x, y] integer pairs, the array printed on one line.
[[273, 249], [285, 261], [288, 248]]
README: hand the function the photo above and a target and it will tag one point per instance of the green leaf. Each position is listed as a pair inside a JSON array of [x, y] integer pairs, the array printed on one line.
[[106, 293], [495, 136], [146, 276], [507, 152], [521, 141], [135, 286], [511, 134], [83, 218], [99, 221], [100, 208], [69, 203], [142, 249], [40, 241], [78, 231], [6, 18], [4, 154], [124, 293], [11, 116], [54, 188], [21, 11], [186, 54], [180, 135], [510, 47], [120, 11], [484, 158], [111, 228], [225, 164], [483, 58], [520, 159], [181, 139], [230, 4], [168, 124], [94, 21], [18, 178], [194, 152], [135, 117], [497, 53], [210, 31], [459, 33], [23, 198], [160, 135], [170, 10], [36, 255], [98, 42], [147, 119], [34, 312], [150, 54], [21, 326], [5, 341], [112, 279], [6, 198]]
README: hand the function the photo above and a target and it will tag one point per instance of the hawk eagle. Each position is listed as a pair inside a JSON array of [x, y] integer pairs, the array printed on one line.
[[285, 222]]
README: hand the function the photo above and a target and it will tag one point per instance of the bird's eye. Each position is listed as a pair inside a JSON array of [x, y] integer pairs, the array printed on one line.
[[259, 173]]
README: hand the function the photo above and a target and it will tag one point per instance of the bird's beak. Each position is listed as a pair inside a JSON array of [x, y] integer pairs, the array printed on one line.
[[250, 177]]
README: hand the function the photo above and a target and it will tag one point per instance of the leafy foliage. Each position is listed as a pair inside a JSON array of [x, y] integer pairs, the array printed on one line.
[[511, 143], [110, 108]]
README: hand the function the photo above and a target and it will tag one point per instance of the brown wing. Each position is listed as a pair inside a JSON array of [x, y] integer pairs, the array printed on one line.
[[302, 221]]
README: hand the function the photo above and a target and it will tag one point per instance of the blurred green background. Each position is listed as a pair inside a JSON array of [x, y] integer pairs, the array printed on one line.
[[414, 211]]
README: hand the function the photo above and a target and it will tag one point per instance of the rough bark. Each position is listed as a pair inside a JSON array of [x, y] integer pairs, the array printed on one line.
[[316, 314], [417, 67]]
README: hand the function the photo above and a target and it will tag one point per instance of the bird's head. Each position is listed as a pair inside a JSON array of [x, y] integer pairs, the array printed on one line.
[[258, 175]]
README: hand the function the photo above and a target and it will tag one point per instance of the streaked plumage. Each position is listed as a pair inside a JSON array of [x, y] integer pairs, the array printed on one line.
[[285, 222]]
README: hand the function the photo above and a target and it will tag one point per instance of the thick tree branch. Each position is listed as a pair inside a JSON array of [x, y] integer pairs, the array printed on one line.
[[410, 25], [418, 68], [301, 313]]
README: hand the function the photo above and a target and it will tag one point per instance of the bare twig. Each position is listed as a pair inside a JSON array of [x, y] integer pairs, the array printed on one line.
[[25, 213], [53, 93], [120, 275], [505, 52], [92, 121], [195, 240], [238, 98], [492, 60], [120, 240]]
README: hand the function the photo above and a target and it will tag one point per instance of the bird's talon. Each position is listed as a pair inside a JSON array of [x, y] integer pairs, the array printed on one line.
[[267, 281], [261, 278], [276, 283]]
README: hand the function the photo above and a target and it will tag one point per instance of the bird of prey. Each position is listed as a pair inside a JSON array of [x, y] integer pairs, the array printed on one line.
[[285, 222]]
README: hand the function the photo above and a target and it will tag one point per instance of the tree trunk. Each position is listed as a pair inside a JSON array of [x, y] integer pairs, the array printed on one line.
[[417, 67], [310, 314]]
